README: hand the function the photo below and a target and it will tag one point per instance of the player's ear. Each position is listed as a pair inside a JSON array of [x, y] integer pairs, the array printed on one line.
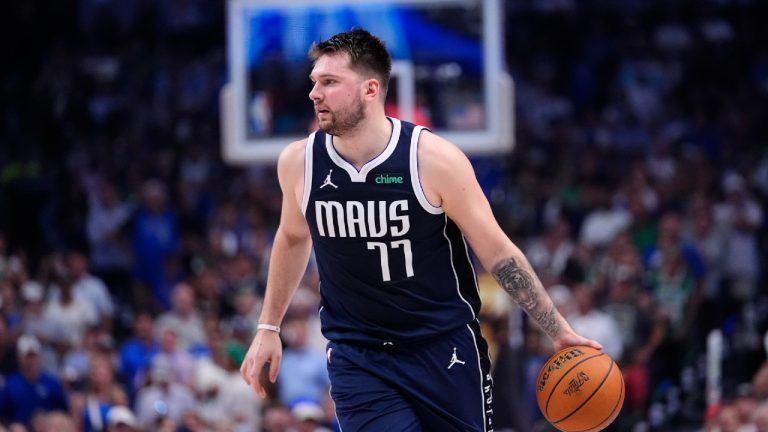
[[372, 88]]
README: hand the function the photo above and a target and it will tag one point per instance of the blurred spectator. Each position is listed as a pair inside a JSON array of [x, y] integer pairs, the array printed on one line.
[[37, 323], [760, 417], [308, 377], [243, 404], [107, 219], [181, 361], [91, 288], [727, 420], [745, 403], [88, 288], [277, 418], [163, 398], [675, 271], [155, 243], [209, 386], [8, 362], [620, 262], [247, 305], [31, 389], [136, 353], [210, 297], [183, 318], [743, 216], [305, 305], [102, 393], [644, 227], [121, 419], [605, 220], [257, 233], [550, 253], [242, 272], [59, 422], [636, 187], [76, 364], [710, 237], [589, 320], [226, 231], [69, 314], [675, 278], [10, 303], [309, 416]]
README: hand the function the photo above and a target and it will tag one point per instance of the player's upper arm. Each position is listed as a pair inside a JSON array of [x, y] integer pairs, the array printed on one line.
[[449, 181], [290, 173]]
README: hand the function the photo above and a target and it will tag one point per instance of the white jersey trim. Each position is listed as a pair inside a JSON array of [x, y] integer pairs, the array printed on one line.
[[471, 265], [482, 380], [415, 180], [359, 176], [453, 267], [307, 172]]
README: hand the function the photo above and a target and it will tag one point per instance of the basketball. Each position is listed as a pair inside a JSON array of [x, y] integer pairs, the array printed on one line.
[[580, 389]]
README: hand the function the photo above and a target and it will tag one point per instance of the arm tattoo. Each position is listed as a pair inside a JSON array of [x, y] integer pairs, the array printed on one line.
[[527, 291]]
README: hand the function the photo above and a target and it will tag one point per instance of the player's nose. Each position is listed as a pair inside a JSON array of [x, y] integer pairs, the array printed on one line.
[[314, 94]]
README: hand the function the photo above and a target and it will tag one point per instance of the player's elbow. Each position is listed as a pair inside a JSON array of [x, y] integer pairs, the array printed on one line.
[[292, 237]]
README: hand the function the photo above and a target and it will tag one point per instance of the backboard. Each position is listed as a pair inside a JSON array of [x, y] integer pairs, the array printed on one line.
[[447, 70]]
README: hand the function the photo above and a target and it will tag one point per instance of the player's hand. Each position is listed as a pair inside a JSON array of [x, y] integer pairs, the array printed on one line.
[[265, 348], [568, 338]]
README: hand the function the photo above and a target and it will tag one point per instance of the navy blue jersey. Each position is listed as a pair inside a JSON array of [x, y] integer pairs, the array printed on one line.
[[393, 268]]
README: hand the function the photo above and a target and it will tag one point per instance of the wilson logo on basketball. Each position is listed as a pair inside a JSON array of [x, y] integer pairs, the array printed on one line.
[[575, 384], [557, 364]]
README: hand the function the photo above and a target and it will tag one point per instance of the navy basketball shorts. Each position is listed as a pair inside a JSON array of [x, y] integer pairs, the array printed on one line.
[[443, 384]]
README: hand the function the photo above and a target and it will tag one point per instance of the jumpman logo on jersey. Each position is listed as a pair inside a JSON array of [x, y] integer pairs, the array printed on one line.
[[328, 182], [455, 359]]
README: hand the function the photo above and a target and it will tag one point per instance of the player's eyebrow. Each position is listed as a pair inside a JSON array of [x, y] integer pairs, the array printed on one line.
[[313, 77]]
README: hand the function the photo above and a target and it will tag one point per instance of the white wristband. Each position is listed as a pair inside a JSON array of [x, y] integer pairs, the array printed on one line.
[[269, 327]]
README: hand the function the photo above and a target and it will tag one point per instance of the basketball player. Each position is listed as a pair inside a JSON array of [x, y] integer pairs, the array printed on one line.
[[387, 206]]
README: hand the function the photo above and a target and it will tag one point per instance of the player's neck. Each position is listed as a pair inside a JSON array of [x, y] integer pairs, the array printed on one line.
[[366, 141]]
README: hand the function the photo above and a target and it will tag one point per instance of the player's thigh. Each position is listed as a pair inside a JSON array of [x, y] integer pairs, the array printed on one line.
[[363, 401], [453, 390]]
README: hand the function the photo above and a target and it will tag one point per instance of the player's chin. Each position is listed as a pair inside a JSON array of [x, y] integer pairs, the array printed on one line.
[[324, 117], [328, 127]]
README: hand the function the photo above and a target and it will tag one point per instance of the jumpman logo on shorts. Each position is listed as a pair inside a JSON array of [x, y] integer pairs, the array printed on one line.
[[455, 359], [328, 182]]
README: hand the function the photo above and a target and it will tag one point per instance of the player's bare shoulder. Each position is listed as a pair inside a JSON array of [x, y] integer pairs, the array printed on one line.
[[443, 167], [290, 167]]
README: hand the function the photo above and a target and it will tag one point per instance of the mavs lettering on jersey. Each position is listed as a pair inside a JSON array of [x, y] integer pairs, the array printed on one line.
[[357, 219], [393, 268]]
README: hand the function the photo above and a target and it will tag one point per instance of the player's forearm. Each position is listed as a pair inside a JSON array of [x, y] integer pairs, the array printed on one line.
[[516, 276], [287, 264]]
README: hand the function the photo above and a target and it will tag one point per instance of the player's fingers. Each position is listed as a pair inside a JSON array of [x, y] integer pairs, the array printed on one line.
[[274, 368], [253, 377], [245, 370], [595, 344], [250, 372], [260, 390]]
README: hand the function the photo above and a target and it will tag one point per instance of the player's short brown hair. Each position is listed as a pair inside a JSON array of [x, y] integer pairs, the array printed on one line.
[[367, 53]]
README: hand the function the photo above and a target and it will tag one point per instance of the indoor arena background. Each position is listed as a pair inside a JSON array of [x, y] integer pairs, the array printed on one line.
[[133, 258]]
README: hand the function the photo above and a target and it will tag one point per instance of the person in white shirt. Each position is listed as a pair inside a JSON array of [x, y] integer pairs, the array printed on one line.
[[744, 217], [183, 319], [69, 314], [88, 288], [577, 304]]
